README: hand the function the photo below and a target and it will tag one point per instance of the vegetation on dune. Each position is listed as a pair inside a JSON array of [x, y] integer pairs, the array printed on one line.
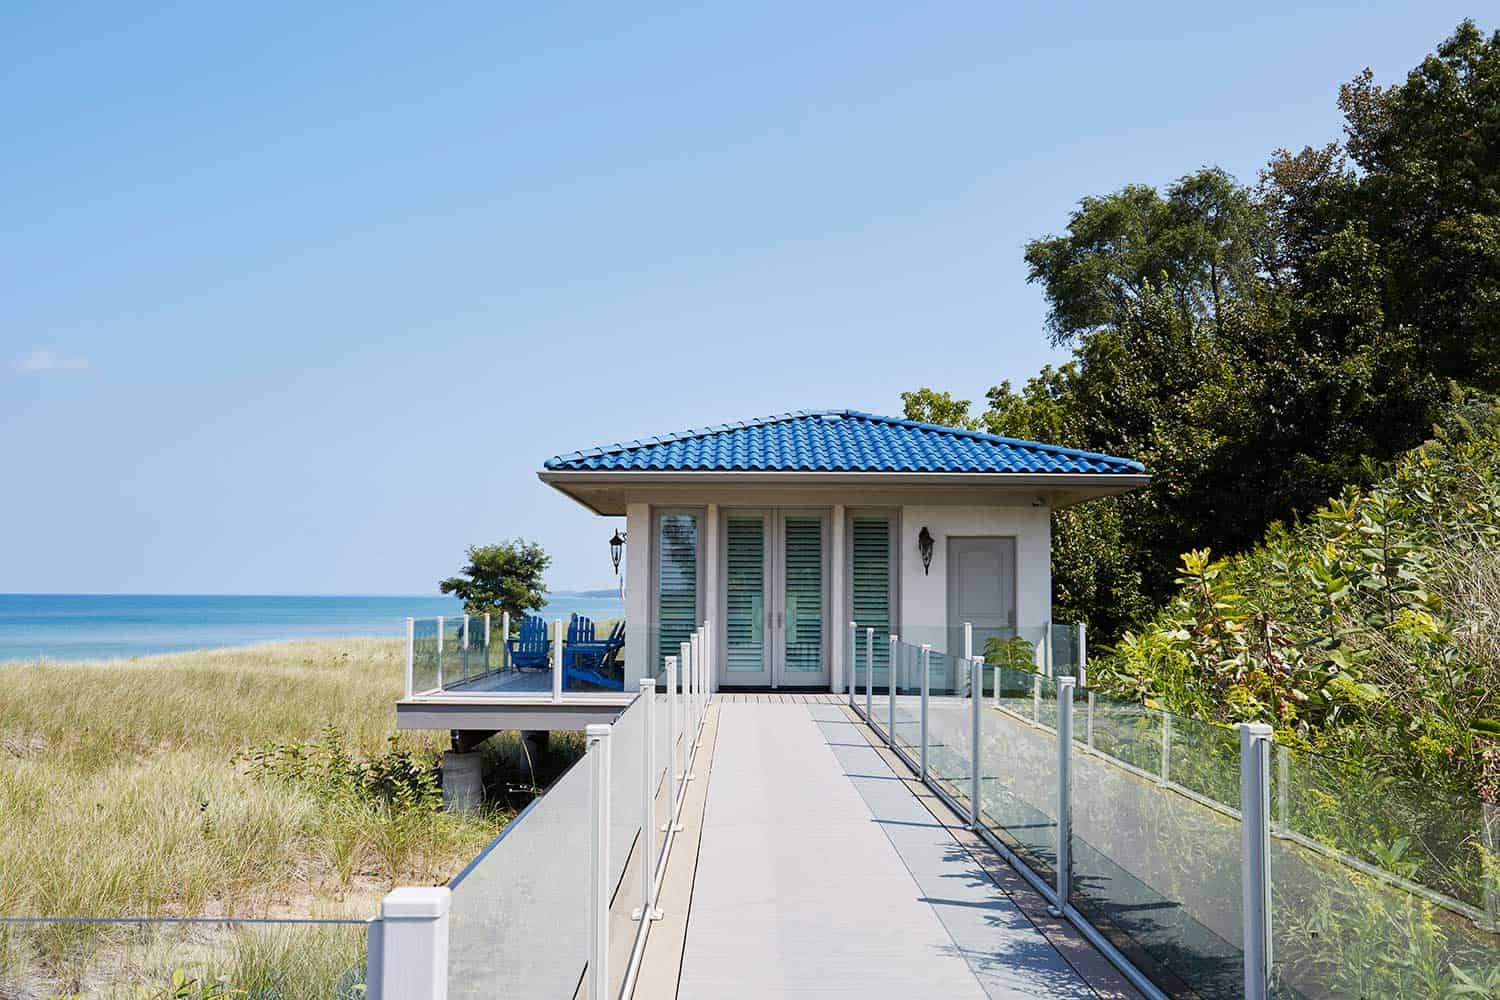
[[264, 781]]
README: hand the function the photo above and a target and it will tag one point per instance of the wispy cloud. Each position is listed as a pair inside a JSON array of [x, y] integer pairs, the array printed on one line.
[[43, 362]]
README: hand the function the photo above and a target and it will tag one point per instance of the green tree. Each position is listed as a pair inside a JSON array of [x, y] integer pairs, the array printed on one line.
[[503, 577]]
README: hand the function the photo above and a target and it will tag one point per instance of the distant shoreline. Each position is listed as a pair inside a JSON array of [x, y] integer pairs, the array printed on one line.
[[79, 627]]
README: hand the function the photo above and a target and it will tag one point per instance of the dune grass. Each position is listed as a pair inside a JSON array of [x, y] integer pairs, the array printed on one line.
[[129, 788], [125, 791]]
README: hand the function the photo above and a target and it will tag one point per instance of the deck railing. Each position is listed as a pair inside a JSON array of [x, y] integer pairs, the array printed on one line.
[[530, 915], [1200, 858], [474, 655]]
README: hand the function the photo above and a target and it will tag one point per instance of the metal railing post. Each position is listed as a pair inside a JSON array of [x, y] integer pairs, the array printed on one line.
[[1166, 747], [853, 670], [557, 658], [695, 646], [869, 674], [1083, 655], [968, 642], [440, 653], [407, 957], [976, 726], [1255, 854], [1089, 723], [709, 664], [890, 690], [926, 680], [486, 642], [597, 736], [1047, 653], [1036, 698], [648, 910], [1283, 788], [673, 775], [504, 637], [411, 640], [1065, 686]]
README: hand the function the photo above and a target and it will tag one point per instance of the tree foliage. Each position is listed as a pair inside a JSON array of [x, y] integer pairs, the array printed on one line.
[[505, 577], [1259, 347]]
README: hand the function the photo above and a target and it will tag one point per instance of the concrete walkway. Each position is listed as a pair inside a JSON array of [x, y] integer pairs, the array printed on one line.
[[819, 873]]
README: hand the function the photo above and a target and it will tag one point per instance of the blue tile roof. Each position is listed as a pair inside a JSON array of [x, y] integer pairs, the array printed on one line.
[[838, 441]]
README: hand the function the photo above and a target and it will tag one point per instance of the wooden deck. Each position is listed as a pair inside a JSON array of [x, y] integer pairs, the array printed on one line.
[[822, 868]]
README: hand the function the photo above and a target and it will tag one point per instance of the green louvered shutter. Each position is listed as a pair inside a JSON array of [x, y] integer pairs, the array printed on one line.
[[745, 595], [870, 582], [676, 583], [804, 595]]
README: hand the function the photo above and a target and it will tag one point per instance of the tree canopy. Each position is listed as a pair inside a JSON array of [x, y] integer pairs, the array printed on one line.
[[1259, 346], [506, 577]]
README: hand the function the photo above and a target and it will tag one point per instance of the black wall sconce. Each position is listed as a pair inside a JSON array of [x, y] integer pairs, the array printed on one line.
[[924, 546], [616, 546]]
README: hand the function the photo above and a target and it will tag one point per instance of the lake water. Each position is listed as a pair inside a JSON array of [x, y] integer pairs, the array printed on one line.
[[92, 626]]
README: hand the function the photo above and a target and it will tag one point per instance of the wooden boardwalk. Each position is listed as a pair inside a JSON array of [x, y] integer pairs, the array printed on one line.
[[821, 871]]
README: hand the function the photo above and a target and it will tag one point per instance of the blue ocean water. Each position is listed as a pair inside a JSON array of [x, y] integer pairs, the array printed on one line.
[[94, 626]]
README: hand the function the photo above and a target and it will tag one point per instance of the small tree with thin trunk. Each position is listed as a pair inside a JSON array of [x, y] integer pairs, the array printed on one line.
[[503, 577]]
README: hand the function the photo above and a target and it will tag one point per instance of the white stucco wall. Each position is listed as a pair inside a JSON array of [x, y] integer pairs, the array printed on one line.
[[637, 592], [924, 597]]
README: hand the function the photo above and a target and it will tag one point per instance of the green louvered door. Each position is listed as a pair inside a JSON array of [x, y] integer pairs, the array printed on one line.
[[802, 600], [872, 592], [747, 603]]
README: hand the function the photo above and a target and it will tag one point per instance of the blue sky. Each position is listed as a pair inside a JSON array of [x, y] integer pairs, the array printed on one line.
[[296, 299]]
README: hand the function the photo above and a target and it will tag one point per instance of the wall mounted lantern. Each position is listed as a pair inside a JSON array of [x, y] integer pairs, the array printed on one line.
[[616, 546], [924, 546]]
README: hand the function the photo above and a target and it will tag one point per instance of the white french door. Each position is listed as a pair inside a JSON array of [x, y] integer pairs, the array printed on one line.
[[775, 598]]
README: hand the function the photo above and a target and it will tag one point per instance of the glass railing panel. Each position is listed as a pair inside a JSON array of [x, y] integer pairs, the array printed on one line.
[[1156, 865], [1065, 651], [908, 675], [874, 650], [950, 729], [424, 655], [519, 919], [1018, 769], [627, 761], [1379, 885], [198, 958], [596, 662], [662, 803]]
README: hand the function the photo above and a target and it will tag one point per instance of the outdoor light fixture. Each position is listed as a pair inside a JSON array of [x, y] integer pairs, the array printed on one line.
[[616, 546], [924, 546]]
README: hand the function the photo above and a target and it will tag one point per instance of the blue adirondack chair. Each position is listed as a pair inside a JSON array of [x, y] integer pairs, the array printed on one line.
[[589, 660], [531, 650]]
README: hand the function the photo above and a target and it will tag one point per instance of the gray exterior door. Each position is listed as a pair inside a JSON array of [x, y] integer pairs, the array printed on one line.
[[981, 589]]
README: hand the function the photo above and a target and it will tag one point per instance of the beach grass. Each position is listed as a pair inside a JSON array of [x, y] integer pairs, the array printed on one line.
[[129, 788]]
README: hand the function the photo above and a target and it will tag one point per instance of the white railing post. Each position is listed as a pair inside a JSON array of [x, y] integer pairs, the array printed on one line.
[[557, 658], [1089, 723], [869, 674], [1255, 855], [411, 640], [976, 727], [597, 736], [708, 662], [690, 710], [922, 728], [1065, 686], [1083, 655], [1036, 699], [408, 946], [440, 653], [648, 910], [851, 657], [1166, 747], [698, 671], [1047, 669], [890, 690], [504, 637], [673, 774], [969, 644]]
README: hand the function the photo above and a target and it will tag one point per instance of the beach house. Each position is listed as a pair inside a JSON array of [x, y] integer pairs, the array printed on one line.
[[784, 529]]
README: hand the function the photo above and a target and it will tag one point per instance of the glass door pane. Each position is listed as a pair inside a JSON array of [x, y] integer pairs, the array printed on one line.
[[870, 590], [676, 583], [745, 660], [802, 562]]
